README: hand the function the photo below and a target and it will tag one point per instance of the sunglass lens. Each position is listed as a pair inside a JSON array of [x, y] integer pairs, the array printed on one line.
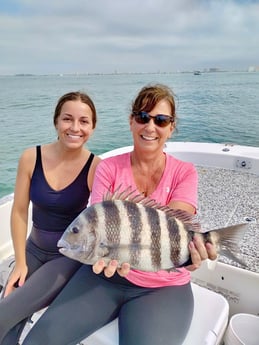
[[162, 120], [143, 117]]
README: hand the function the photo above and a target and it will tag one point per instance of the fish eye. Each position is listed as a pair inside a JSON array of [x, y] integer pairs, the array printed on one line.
[[75, 230]]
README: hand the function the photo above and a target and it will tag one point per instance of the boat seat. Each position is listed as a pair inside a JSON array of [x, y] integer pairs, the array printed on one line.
[[210, 318]]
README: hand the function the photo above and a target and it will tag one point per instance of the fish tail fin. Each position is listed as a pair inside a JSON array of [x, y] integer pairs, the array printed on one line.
[[229, 239]]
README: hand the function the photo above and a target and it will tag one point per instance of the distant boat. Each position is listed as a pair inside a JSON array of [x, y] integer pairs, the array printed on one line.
[[197, 72]]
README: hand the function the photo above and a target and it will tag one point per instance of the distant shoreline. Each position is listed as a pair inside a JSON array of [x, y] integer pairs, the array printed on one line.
[[211, 70]]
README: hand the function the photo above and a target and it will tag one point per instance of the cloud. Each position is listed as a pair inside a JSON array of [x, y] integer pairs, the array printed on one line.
[[127, 36]]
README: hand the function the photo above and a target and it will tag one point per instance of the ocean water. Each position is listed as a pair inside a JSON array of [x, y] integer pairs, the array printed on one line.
[[212, 107]]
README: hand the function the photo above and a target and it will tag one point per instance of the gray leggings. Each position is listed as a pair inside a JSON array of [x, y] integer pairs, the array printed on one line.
[[48, 273], [147, 316]]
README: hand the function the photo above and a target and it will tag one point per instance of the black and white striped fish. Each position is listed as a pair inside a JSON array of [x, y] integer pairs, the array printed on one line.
[[140, 232]]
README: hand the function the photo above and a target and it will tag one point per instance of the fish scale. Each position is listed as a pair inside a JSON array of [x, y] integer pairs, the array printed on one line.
[[136, 225], [113, 224], [174, 240], [155, 229], [176, 236]]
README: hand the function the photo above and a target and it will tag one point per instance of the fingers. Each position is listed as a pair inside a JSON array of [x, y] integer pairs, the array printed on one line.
[[124, 269], [200, 247], [12, 284], [195, 256], [211, 250], [99, 266], [110, 269], [207, 250], [8, 289], [199, 252], [16, 279], [22, 280]]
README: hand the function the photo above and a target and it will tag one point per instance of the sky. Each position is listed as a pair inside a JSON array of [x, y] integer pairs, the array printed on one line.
[[127, 36]]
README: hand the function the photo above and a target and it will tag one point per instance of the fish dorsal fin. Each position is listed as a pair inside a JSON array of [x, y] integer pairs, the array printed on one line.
[[190, 220], [133, 195], [117, 194], [130, 194]]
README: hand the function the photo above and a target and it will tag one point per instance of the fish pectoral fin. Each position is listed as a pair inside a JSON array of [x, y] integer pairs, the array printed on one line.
[[103, 250]]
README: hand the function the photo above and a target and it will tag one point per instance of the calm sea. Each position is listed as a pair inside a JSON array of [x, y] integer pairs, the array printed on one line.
[[212, 107]]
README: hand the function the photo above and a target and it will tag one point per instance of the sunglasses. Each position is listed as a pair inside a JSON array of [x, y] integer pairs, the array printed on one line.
[[160, 120]]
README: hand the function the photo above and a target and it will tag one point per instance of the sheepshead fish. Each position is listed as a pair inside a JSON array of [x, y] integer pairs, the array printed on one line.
[[138, 231]]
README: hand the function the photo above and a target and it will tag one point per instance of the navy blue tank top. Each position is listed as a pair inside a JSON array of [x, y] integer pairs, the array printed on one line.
[[54, 210]]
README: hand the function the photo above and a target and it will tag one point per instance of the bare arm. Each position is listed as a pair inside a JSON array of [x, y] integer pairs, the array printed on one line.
[[19, 218]]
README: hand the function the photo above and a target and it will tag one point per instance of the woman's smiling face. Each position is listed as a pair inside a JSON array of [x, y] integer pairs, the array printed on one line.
[[150, 135], [74, 124]]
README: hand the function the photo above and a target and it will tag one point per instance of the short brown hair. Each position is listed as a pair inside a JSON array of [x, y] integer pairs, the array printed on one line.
[[150, 95]]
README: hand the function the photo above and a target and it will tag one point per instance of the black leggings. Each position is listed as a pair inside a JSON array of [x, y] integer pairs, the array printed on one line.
[[48, 273], [147, 316]]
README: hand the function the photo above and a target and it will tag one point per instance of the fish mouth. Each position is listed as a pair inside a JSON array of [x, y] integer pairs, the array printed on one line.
[[74, 251], [63, 244]]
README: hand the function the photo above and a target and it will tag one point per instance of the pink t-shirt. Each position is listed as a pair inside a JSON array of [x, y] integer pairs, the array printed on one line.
[[178, 183]]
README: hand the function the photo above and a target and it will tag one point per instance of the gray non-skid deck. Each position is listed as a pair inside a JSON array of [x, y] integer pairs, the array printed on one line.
[[229, 197]]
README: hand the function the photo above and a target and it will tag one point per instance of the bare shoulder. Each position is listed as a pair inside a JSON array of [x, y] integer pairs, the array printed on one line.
[[28, 154], [92, 169], [96, 161], [94, 164], [28, 158], [24, 173]]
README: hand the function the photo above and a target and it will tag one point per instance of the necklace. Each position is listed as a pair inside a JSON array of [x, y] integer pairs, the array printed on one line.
[[147, 178]]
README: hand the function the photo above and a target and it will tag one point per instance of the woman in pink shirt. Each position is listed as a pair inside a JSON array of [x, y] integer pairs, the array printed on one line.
[[153, 307]]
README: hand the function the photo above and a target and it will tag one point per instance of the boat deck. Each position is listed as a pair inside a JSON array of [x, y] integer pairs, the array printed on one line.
[[228, 197]]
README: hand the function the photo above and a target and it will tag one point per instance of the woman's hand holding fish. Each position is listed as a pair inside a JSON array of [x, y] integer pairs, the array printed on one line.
[[200, 252], [112, 267]]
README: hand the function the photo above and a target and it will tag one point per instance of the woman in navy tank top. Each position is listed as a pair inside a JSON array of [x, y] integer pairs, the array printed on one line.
[[57, 179]]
